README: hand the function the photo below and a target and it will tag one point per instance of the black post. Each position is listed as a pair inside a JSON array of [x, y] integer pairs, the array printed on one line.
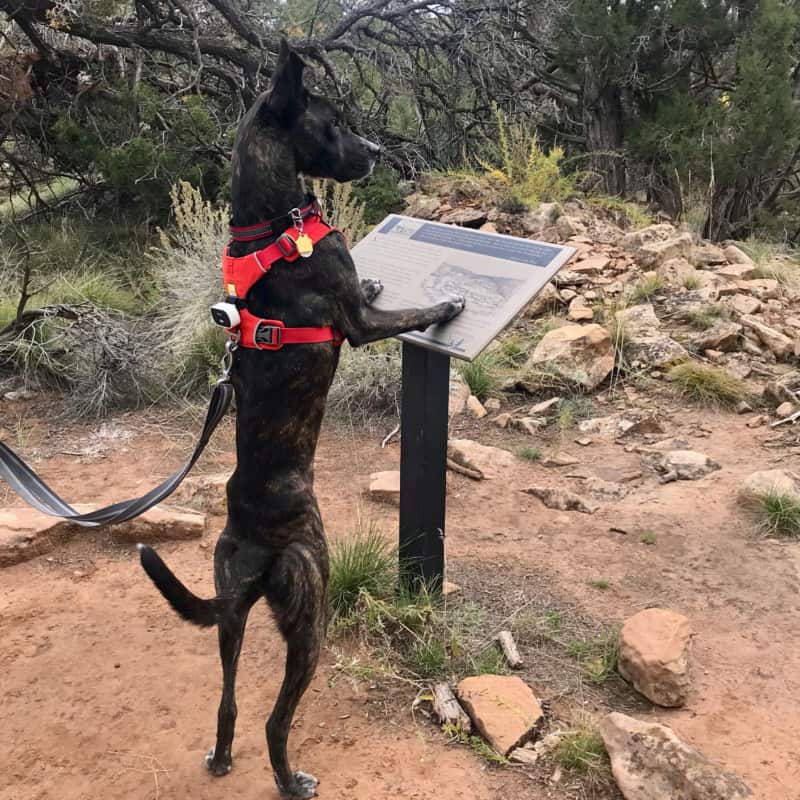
[[423, 464]]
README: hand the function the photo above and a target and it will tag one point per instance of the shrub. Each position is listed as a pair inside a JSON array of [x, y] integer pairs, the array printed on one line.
[[483, 375]]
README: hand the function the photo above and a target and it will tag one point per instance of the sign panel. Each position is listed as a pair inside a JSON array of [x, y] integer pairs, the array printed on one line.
[[421, 263]]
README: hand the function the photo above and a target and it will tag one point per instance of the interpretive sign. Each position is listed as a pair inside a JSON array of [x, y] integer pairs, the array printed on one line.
[[420, 263]]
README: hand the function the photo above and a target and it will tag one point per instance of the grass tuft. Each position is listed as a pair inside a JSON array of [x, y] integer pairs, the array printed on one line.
[[529, 453], [580, 750], [484, 375], [707, 317], [708, 386], [779, 514], [646, 289], [362, 562]]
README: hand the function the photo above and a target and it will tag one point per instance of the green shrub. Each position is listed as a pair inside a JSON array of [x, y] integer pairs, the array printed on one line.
[[779, 514], [708, 386]]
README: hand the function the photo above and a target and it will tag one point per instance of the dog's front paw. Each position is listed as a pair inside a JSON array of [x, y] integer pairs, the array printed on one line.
[[218, 766], [302, 786], [370, 289], [452, 308]]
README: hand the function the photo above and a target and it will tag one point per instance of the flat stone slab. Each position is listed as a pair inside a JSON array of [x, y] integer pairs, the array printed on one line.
[[503, 709], [491, 462], [204, 493], [26, 533], [384, 487]]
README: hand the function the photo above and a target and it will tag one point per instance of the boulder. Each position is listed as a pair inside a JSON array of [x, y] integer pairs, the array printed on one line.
[[459, 394], [744, 304], [723, 335], [733, 255], [475, 407], [686, 465], [422, 206], [203, 493], [643, 339], [677, 270], [567, 227], [764, 288], [491, 462], [708, 255], [650, 762], [785, 410], [778, 343], [503, 709], [785, 389], [465, 217], [738, 272], [581, 354], [656, 253], [534, 222], [635, 240], [769, 481], [546, 302], [384, 487], [562, 500], [654, 655]]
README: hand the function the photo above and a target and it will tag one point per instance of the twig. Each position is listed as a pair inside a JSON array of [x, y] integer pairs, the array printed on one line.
[[389, 436], [793, 418]]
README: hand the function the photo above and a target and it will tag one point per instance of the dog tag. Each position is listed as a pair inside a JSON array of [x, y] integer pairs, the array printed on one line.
[[304, 245]]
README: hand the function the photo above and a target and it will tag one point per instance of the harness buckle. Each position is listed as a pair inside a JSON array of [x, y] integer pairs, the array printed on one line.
[[268, 334], [297, 218], [286, 244]]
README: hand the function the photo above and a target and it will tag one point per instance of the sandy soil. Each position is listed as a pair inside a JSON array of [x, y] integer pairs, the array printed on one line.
[[106, 694]]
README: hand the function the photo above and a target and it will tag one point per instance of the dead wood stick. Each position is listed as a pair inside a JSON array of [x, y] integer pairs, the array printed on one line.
[[448, 710], [793, 418], [475, 474], [509, 648]]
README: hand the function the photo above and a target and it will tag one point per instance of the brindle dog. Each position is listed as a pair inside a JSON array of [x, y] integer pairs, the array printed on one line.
[[273, 544]]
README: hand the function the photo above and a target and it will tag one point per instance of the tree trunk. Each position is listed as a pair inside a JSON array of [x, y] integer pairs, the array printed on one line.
[[603, 122]]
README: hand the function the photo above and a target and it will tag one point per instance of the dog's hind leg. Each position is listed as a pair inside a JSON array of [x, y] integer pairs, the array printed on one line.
[[219, 760], [297, 595]]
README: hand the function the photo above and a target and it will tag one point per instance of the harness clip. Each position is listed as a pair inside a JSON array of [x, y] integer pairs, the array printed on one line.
[[268, 334]]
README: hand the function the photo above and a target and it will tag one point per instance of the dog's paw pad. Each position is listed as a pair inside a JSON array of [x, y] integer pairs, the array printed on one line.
[[215, 767]]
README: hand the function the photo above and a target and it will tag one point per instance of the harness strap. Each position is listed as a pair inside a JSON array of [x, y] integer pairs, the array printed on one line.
[[34, 491], [249, 233], [272, 334]]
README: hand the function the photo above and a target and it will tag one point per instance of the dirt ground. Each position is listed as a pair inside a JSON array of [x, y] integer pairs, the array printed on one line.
[[107, 694]]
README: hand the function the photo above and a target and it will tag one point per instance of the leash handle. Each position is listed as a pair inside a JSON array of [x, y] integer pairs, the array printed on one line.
[[34, 491]]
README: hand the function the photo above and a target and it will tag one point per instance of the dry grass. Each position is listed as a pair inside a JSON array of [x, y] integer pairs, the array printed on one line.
[[708, 386]]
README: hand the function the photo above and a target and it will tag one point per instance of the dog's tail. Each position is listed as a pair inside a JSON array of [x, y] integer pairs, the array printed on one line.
[[191, 607]]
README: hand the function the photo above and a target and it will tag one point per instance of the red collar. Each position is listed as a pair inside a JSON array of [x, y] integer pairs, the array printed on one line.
[[261, 230]]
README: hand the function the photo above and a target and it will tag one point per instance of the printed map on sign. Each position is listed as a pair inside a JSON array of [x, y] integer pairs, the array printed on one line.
[[421, 263]]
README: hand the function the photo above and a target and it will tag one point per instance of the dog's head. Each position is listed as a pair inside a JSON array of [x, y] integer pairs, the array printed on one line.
[[324, 146]]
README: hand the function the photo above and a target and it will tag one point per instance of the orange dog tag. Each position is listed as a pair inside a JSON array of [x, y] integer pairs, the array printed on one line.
[[304, 245]]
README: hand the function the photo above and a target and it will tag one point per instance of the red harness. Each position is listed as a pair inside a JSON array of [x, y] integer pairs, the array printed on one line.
[[240, 274]]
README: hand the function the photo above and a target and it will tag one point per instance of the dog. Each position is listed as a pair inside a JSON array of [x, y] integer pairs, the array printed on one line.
[[273, 544]]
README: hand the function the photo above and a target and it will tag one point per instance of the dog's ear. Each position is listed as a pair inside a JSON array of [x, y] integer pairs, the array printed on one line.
[[287, 98]]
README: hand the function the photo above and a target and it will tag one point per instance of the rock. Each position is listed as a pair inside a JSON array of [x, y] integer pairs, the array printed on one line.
[[723, 335], [522, 755], [203, 493], [779, 344], [491, 462], [650, 762], [677, 270], [708, 255], [643, 339], [529, 425], [769, 481], [475, 407], [18, 395], [569, 278], [738, 272], [422, 206], [733, 255], [562, 500], [459, 394], [534, 222], [593, 265], [581, 354], [161, 523], [744, 304], [488, 227], [606, 490], [761, 287], [579, 311], [546, 302], [567, 227], [448, 588], [492, 404], [465, 217], [656, 253], [502, 708], [686, 465], [384, 487], [654, 655], [784, 410], [785, 389], [545, 406], [26, 533], [635, 240], [502, 420], [559, 460]]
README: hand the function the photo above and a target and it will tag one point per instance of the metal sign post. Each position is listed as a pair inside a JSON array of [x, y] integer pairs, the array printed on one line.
[[423, 465], [420, 263]]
